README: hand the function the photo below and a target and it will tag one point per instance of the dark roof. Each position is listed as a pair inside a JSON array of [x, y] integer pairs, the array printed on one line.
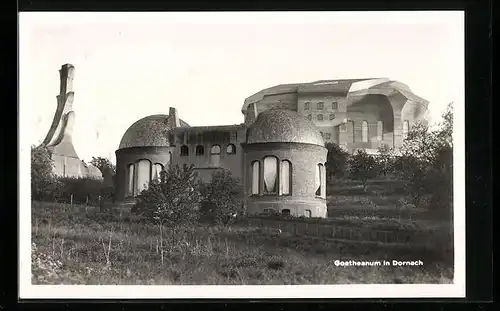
[[148, 131], [282, 125]]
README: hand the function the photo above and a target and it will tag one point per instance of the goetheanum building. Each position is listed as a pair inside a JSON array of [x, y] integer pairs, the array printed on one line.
[[279, 152]]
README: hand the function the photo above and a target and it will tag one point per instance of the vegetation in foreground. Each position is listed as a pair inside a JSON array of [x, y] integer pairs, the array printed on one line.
[[87, 247]]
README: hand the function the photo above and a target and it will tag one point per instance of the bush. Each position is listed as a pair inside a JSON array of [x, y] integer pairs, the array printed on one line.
[[87, 191], [362, 167], [44, 183], [336, 161], [222, 198]]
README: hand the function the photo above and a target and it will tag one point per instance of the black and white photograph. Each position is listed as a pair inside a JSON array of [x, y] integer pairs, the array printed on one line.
[[242, 154]]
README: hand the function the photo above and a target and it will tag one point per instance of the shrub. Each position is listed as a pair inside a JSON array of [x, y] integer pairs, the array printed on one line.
[[44, 183], [336, 161], [362, 167], [87, 191], [222, 198]]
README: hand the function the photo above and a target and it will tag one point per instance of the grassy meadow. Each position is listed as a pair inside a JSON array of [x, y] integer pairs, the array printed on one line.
[[81, 245]]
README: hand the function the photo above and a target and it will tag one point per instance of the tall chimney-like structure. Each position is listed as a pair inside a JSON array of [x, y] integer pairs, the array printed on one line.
[[173, 118]]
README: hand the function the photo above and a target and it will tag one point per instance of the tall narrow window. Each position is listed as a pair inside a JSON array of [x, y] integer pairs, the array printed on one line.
[[320, 117], [286, 177], [307, 106], [143, 174], [406, 128], [309, 117], [353, 131], [184, 150], [321, 106], [157, 169], [308, 213], [215, 155], [270, 174], [255, 177], [319, 179], [380, 131], [364, 131], [200, 150], [231, 149], [130, 188], [335, 106]]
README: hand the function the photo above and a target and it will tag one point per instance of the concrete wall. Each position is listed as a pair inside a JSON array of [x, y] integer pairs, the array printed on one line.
[[304, 159], [127, 156], [282, 101]]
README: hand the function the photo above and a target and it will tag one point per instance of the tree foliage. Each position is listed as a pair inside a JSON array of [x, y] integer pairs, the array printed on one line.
[[425, 161], [222, 198], [385, 160], [173, 200], [336, 161], [362, 167], [44, 183]]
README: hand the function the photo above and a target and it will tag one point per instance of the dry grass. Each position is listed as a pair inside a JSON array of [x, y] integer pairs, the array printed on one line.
[[87, 247]]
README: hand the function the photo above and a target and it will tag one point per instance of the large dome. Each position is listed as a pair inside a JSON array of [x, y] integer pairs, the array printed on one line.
[[283, 126], [148, 131]]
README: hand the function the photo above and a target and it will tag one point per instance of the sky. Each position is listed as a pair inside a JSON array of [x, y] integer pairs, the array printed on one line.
[[131, 65]]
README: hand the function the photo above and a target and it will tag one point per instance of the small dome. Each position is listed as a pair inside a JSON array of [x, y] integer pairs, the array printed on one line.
[[283, 126], [148, 131]]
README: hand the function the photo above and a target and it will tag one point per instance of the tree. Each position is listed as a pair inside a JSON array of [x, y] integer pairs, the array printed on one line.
[[222, 197], [336, 160], [173, 200], [362, 166], [426, 161], [44, 183], [108, 171], [385, 160]]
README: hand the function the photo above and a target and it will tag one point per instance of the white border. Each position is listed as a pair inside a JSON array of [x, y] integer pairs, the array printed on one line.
[[27, 291]]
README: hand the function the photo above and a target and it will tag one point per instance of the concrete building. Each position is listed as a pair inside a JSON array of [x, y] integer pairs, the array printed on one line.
[[279, 152], [59, 139]]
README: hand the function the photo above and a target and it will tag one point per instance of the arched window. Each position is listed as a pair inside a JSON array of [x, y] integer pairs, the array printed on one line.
[[319, 179], [200, 150], [130, 181], [285, 212], [184, 150], [231, 149], [320, 117], [286, 177], [270, 174], [215, 155], [143, 174], [157, 169], [406, 128], [308, 213], [255, 177], [364, 131], [380, 130]]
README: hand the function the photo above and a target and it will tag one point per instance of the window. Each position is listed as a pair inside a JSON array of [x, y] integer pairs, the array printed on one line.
[[332, 116], [234, 136], [321, 106], [309, 117], [143, 174], [319, 179], [335, 106], [231, 149], [215, 155], [364, 131], [255, 177], [380, 131], [328, 135], [308, 213], [157, 169], [307, 106], [285, 212], [270, 174], [130, 188], [184, 150], [200, 150], [406, 128], [320, 117], [286, 177]]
